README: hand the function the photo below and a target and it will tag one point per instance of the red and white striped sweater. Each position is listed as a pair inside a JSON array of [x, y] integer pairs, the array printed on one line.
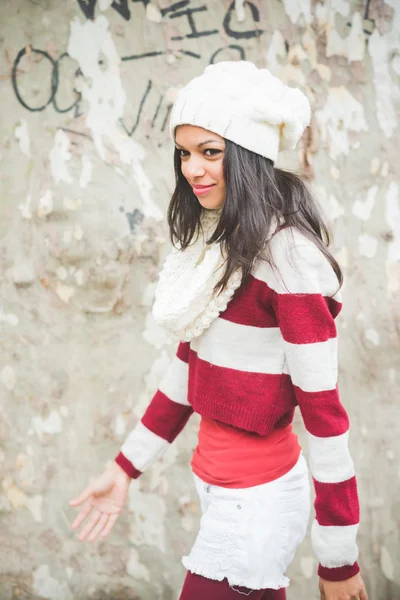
[[273, 348]]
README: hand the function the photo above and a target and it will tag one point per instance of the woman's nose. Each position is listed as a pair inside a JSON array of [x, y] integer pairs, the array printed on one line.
[[195, 168]]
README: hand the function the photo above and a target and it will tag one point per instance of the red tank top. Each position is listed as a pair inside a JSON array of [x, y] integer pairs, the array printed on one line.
[[230, 457]]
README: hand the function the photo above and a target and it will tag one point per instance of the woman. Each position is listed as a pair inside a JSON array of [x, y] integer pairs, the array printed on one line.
[[251, 292]]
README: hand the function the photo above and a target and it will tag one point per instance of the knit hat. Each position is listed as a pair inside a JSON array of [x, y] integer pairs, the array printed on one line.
[[244, 104]]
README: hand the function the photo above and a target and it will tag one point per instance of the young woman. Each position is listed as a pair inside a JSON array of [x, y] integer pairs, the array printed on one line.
[[251, 291]]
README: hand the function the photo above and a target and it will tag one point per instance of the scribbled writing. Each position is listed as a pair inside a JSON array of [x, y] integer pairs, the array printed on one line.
[[54, 82], [189, 30]]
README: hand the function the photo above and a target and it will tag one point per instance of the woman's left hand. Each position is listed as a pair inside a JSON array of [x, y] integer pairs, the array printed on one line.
[[351, 589]]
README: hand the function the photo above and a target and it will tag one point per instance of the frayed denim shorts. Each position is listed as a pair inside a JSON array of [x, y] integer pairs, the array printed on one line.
[[250, 535]]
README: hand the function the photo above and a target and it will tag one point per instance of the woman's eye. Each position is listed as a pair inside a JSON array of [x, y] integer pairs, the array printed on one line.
[[213, 151]]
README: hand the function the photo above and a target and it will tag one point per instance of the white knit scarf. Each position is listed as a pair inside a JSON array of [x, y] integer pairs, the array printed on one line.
[[185, 302]]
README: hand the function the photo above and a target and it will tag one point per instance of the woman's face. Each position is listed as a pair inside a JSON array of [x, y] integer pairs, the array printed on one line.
[[202, 154]]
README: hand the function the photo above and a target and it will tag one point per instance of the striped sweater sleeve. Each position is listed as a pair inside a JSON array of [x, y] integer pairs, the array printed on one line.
[[164, 419], [306, 311]]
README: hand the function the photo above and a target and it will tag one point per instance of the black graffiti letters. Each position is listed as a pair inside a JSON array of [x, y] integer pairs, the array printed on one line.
[[88, 7], [253, 33], [54, 81], [239, 49], [130, 132], [152, 104], [157, 111], [76, 103], [121, 6], [187, 12]]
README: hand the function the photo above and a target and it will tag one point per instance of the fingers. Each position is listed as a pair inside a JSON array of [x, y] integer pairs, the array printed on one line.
[[82, 515], [98, 528], [94, 518], [101, 486], [111, 522], [363, 595]]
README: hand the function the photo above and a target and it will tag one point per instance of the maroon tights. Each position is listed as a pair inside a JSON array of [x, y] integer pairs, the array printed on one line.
[[200, 588]]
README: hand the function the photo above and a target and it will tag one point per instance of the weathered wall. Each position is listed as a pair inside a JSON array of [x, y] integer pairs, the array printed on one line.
[[85, 178]]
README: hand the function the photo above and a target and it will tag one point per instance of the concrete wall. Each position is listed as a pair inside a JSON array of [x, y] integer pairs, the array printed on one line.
[[85, 178]]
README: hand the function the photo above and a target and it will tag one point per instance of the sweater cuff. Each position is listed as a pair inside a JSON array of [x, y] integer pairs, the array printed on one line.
[[127, 466], [338, 573]]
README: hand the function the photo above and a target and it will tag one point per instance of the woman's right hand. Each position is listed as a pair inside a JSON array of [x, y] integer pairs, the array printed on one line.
[[102, 500]]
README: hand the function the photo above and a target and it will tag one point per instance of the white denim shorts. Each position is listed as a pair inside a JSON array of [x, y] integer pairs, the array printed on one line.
[[250, 535]]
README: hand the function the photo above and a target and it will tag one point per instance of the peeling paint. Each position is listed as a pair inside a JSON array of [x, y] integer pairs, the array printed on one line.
[[9, 318], [392, 215], [367, 245], [390, 455], [239, 10], [22, 135], [375, 164], [356, 41], [48, 587], [342, 256], [154, 334], [70, 204], [276, 51], [298, 8], [120, 425], [336, 209], [86, 173], [25, 208], [59, 156], [78, 232], [135, 568], [18, 499], [363, 209], [385, 169], [62, 273], [64, 292], [51, 425], [106, 99], [23, 274], [26, 468], [351, 47], [386, 91], [153, 13], [372, 336], [335, 172], [8, 377], [342, 113], [105, 4], [45, 207], [147, 523], [64, 411], [80, 277]]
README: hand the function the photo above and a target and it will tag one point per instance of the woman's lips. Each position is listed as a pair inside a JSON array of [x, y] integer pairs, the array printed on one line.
[[202, 189]]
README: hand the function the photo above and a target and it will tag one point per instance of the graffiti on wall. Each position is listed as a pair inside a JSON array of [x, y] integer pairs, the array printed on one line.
[[181, 12]]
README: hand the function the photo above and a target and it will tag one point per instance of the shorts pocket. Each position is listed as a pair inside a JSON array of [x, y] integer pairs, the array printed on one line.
[[295, 516]]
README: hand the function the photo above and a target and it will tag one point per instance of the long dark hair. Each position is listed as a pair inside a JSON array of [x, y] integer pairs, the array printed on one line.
[[255, 192]]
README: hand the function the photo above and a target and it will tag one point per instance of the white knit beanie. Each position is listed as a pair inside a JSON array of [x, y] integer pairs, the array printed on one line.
[[244, 104]]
